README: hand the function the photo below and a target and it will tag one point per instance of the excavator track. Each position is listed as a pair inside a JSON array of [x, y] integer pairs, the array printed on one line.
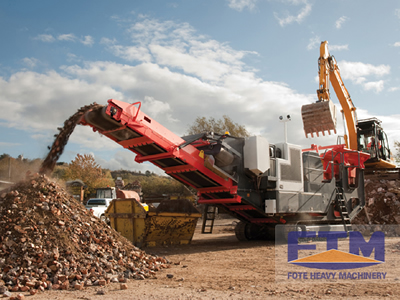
[[387, 174], [61, 139]]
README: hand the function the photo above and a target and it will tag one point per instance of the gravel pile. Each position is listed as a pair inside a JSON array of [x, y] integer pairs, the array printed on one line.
[[51, 241], [382, 208], [382, 203]]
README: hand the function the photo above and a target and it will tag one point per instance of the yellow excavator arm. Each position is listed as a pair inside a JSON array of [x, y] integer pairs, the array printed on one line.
[[348, 108], [321, 116], [323, 72]]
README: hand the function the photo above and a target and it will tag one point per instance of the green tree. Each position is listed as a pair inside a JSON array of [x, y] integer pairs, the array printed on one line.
[[4, 155], [220, 126], [85, 168], [153, 184], [59, 170], [158, 185]]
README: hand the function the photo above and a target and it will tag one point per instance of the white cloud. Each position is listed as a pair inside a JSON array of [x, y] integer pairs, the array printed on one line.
[[397, 12], [338, 47], [353, 70], [292, 18], [177, 46], [314, 42], [8, 144], [358, 72], [87, 139], [31, 62], [240, 95], [48, 38], [72, 57], [70, 37], [239, 5], [177, 74], [377, 86], [340, 22], [87, 40], [397, 44], [129, 53], [212, 80], [39, 102], [151, 31], [198, 64], [125, 160], [159, 108], [173, 5]]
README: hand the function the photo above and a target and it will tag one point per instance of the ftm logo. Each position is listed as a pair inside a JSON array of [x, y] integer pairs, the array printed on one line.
[[358, 256]]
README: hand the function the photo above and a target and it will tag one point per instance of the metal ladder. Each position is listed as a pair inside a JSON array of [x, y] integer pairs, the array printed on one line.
[[208, 218], [344, 214]]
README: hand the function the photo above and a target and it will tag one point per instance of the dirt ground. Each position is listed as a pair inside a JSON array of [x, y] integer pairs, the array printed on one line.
[[217, 266]]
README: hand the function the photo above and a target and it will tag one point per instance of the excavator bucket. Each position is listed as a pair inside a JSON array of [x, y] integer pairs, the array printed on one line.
[[319, 117]]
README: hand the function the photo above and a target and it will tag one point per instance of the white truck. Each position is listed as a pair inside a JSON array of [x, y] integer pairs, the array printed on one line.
[[98, 207]]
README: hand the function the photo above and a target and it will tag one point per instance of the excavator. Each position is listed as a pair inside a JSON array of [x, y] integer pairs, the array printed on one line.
[[365, 135]]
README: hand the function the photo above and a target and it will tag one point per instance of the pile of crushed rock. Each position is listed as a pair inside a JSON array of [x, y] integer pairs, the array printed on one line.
[[382, 207], [48, 240]]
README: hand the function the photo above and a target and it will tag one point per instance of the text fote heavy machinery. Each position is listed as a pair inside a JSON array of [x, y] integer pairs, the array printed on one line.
[[261, 184], [363, 135]]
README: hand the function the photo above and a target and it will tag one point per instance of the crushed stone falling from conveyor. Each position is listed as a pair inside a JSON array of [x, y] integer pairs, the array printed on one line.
[[61, 139]]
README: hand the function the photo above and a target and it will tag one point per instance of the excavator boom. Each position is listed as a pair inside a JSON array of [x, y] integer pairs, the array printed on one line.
[[321, 115]]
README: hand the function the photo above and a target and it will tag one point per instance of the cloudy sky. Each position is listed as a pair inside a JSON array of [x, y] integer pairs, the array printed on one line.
[[252, 60]]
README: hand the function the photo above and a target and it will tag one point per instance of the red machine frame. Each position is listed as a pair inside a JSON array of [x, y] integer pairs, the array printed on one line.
[[170, 146]]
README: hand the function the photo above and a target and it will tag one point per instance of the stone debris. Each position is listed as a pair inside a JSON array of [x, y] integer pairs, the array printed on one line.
[[382, 205], [101, 292], [48, 240], [61, 139]]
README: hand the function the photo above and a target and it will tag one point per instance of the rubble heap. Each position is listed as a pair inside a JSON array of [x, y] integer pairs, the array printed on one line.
[[49, 240], [382, 203]]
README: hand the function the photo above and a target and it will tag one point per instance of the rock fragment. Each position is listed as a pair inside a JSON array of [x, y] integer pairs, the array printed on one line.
[[62, 247], [382, 203], [123, 286]]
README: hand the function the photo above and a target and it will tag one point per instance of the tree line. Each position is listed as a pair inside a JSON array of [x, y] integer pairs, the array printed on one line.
[[85, 168]]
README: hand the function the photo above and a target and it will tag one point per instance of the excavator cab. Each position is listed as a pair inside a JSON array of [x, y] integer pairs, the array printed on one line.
[[373, 140]]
